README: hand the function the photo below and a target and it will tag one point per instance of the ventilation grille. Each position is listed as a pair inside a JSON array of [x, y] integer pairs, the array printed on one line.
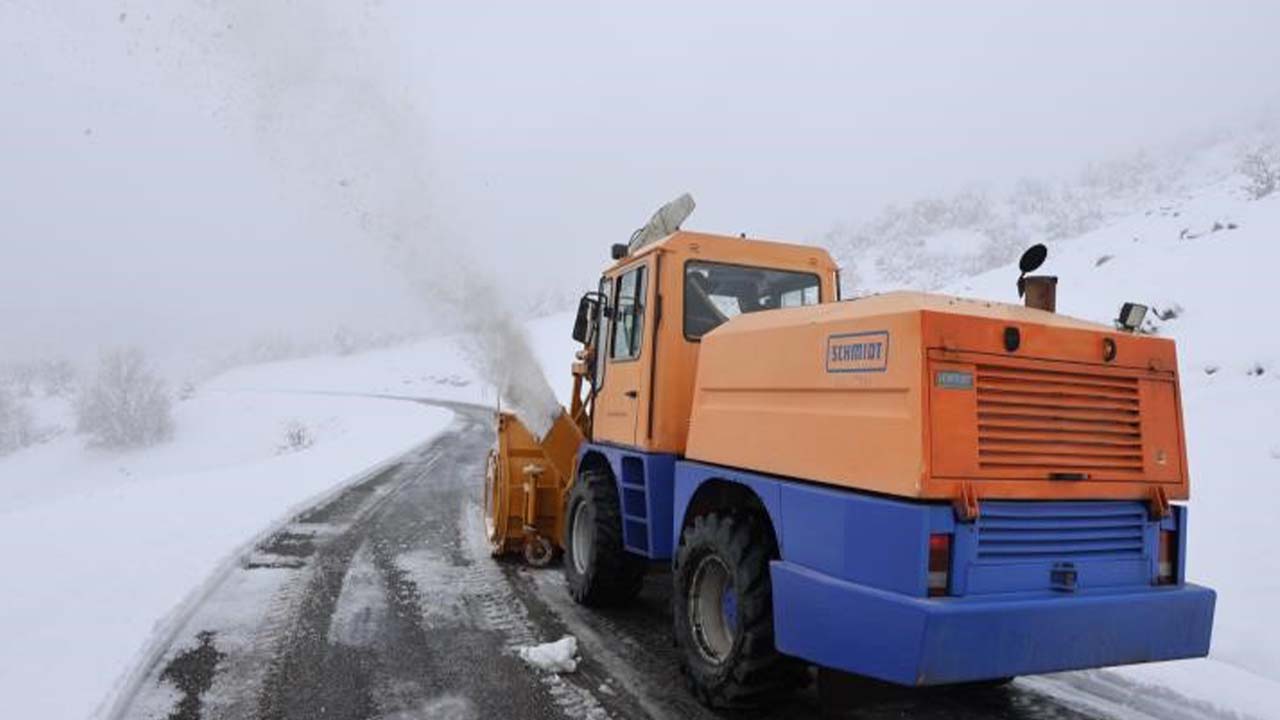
[[1048, 421], [1014, 532]]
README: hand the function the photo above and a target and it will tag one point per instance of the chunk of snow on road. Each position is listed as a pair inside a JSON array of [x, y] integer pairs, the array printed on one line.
[[558, 657]]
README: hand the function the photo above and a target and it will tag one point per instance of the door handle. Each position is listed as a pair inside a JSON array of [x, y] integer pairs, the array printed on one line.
[[631, 393]]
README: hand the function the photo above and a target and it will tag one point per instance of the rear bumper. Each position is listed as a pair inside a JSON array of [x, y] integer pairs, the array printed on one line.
[[914, 641]]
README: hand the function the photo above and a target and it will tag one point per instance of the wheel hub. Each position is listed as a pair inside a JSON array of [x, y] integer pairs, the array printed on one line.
[[713, 609], [581, 539]]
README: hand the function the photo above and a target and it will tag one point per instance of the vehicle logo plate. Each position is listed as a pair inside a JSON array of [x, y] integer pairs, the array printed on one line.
[[858, 352], [954, 380]]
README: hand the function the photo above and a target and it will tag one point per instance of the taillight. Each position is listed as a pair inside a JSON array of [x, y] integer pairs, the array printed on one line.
[[1167, 568], [939, 564]]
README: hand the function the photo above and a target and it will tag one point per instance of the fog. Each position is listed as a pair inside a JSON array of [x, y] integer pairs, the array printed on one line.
[[190, 175]]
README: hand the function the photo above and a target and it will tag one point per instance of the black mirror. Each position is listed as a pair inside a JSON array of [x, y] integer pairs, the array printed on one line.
[[1033, 258], [584, 323], [1030, 261]]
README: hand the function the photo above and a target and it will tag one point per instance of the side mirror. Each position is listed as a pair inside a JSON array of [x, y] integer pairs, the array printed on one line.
[[584, 329], [1030, 261], [1033, 258]]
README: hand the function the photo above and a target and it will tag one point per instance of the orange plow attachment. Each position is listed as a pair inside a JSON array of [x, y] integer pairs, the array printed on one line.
[[525, 484]]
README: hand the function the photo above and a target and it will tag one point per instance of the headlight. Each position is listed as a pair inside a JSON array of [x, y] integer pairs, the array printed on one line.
[[1131, 316]]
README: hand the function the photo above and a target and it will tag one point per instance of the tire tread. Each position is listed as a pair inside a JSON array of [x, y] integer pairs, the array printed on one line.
[[615, 575], [755, 673]]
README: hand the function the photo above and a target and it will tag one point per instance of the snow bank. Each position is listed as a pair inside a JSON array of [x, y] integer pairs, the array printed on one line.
[[560, 656], [99, 547]]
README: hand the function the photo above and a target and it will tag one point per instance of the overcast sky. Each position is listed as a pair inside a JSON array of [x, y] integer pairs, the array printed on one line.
[[175, 173]]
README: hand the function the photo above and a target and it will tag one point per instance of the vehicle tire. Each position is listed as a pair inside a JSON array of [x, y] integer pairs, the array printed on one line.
[[598, 570], [723, 613]]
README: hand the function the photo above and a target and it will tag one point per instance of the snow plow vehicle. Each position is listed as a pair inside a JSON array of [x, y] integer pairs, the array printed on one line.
[[918, 488]]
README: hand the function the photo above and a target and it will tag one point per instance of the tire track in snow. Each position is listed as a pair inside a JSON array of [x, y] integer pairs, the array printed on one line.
[[505, 612], [275, 605]]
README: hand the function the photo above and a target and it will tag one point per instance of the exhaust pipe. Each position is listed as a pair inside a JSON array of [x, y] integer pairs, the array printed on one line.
[[1041, 292], [1038, 291]]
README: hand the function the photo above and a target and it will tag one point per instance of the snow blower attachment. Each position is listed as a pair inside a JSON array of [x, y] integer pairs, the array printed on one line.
[[524, 487], [527, 479]]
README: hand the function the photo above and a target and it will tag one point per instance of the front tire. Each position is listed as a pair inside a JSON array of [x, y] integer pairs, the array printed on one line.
[[723, 613], [597, 568]]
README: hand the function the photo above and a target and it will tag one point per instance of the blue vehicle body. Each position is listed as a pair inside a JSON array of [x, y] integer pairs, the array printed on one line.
[[1033, 587]]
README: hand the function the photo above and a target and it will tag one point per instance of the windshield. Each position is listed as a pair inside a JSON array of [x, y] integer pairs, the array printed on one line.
[[715, 292]]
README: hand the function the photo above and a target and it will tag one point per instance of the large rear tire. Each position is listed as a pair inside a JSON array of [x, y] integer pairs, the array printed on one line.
[[723, 613], [598, 570]]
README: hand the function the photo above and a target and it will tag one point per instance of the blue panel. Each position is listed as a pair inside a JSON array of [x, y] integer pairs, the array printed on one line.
[[1020, 531], [849, 591], [633, 503], [660, 487], [635, 535], [846, 534], [632, 471], [986, 578], [844, 626], [645, 485], [691, 475], [914, 641], [1017, 546], [864, 539]]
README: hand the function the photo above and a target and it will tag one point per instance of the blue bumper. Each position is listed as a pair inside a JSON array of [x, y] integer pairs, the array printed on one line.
[[914, 641]]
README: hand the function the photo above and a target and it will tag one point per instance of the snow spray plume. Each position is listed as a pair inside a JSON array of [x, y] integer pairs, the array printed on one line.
[[495, 343], [323, 95]]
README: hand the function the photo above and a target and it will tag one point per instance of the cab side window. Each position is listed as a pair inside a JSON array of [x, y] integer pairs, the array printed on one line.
[[628, 316]]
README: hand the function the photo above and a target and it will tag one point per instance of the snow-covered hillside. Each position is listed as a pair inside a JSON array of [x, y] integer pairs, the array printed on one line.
[[932, 242], [1204, 260]]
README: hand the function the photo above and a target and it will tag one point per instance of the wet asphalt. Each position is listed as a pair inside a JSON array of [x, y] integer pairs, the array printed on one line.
[[381, 603]]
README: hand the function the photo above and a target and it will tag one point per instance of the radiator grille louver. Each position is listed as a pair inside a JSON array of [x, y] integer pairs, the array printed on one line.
[[1050, 421], [1060, 531]]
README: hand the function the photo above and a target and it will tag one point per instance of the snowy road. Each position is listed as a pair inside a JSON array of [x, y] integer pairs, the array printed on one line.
[[382, 602]]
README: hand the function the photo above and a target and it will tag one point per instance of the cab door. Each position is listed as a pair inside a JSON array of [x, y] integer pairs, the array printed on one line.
[[623, 365]]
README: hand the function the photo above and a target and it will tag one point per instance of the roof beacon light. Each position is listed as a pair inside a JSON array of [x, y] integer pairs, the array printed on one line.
[[1131, 316]]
